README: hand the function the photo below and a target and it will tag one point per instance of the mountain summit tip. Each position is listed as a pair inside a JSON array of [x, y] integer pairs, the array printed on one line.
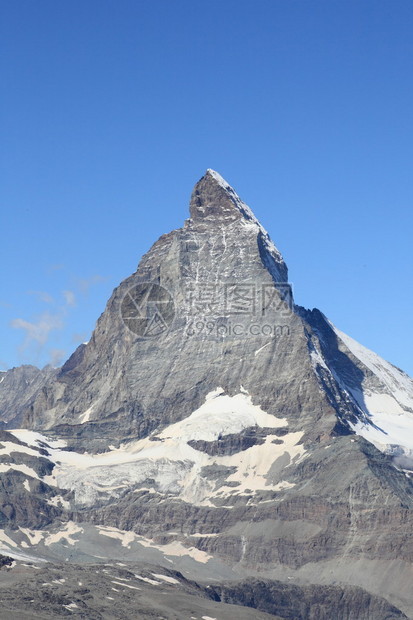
[[213, 199], [215, 175]]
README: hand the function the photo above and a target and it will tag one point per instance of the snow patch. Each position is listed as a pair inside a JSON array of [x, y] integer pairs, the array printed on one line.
[[67, 533], [33, 536], [125, 537], [6, 539], [170, 462], [177, 549], [222, 415], [148, 580], [126, 585], [59, 502], [398, 382], [10, 446], [85, 417], [166, 578], [389, 405], [32, 438], [24, 469]]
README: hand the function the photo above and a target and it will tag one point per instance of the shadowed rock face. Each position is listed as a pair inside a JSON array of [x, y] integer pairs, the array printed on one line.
[[26, 500], [302, 603], [242, 409], [237, 442]]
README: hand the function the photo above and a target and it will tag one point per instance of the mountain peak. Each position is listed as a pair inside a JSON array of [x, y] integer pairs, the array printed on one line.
[[213, 199], [217, 177], [215, 204]]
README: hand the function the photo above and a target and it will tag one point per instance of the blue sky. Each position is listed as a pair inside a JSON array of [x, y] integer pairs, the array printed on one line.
[[111, 111]]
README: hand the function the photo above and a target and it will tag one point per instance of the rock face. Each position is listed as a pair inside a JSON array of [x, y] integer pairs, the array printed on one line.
[[306, 603], [17, 387], [208, 413], [26, 500]]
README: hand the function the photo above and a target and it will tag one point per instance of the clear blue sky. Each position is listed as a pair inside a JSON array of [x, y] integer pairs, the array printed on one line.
[[112, 110]]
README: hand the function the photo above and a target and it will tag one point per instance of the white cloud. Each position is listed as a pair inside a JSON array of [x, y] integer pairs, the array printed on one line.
[[38, 331], [57, 267], [79, 337], [43, 296], [84, 284], [70, 298]]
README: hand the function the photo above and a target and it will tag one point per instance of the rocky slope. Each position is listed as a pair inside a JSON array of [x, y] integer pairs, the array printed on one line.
[[210, 416], [111, 590]]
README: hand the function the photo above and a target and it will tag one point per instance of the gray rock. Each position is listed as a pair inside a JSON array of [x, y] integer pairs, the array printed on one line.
[[17, 387], [308, 602]]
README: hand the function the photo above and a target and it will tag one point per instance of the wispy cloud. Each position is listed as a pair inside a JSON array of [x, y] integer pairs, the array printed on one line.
[[38, 331], [84, 284], [57, 267], [79, 337], [70, 298], [43, 296]]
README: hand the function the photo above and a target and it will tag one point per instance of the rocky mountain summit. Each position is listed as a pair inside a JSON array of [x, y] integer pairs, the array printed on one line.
[[213, 426]]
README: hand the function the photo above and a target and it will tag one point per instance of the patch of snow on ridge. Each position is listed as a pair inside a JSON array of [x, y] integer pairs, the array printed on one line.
[[317, 358], [171, 549], [390, 407], [222, 415], [389, 433], [32, 438], [398, 382], [67, 533], [85, 417], [126, 538], [148, 580], [10, 446], [33, 536], [166, 578], [4, 538], [24, 469]]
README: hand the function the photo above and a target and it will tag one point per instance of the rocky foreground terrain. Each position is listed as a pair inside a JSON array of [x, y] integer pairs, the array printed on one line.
[[115, 590], [214, 450]]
